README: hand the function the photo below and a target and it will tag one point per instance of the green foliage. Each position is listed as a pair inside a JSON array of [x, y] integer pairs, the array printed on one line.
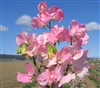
[[95, 80], [27, 86], [98, 70], [95, 72], [98, 86], [30, 85], [65, 86]]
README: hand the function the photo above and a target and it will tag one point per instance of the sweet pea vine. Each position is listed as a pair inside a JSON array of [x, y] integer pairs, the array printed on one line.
[[57, 68]]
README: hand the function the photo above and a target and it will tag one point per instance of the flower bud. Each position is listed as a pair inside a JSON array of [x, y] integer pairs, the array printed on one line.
[[42, 7]]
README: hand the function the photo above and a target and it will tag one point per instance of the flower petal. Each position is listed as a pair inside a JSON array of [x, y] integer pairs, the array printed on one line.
[[30, 69], [24, 78], [66, 79], [78, 54]]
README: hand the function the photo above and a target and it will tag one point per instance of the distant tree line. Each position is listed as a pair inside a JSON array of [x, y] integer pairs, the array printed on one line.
[[9, 57]]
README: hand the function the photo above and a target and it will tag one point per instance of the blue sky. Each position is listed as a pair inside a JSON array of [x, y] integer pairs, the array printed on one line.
[[13, 12]]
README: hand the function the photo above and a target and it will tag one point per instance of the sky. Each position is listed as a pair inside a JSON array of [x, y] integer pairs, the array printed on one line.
[[16, 15]]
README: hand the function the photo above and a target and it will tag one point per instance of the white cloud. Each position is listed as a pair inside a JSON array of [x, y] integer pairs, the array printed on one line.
[[3, 28], [24, 21], [93, 26]]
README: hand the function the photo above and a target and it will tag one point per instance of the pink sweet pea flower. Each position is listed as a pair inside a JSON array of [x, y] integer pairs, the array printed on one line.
[[56, 13], [66, 36], [51, 38], [66, 79], [77, 30], [46, 38], [49, 62], [84, 54], [58, 16], [85, 39], [22, 38], [76, 50], [52, 77], [42, 39], [45, 16], [46, 60], [58, 32], [32, 49], [81, 66], [32, 38], [37, 23], [25, 38], [26, 78], [60, 70], [52, 10], [63, 55], [35, 49], [42, 7], [43, 77]]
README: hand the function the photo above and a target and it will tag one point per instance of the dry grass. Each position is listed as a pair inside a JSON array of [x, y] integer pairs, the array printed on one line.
[[8, 73]]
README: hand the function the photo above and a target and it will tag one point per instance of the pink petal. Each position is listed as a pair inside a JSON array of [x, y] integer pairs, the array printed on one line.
[[32, 38], [58, 15], [52, 77], [43, 77], [81, 31], [66, 79], [73, 27], [24, 78], [49, 62], [30, 69], [65, 57], [78, 54], [60, 69], [66, 36], [85, 39], [45, 17], [52, 10], [81, 67], [37, 23], [77, 45], [42, 6], [21, 38], [83, 73], [84, 55], [31, 49]]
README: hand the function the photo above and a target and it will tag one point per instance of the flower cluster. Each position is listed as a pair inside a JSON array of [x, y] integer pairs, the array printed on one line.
[[57, 67]]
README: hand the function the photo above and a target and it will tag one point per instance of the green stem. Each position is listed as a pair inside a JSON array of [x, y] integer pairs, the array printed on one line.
[[52, 85], [67, 69], [71, 43], [35, 64], [49, 25], [47, 86]]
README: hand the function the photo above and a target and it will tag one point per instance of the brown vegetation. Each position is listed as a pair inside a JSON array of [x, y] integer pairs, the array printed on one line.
[[8, 73]]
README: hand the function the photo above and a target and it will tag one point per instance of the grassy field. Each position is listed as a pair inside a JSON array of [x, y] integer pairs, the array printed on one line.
[[8, 73]]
